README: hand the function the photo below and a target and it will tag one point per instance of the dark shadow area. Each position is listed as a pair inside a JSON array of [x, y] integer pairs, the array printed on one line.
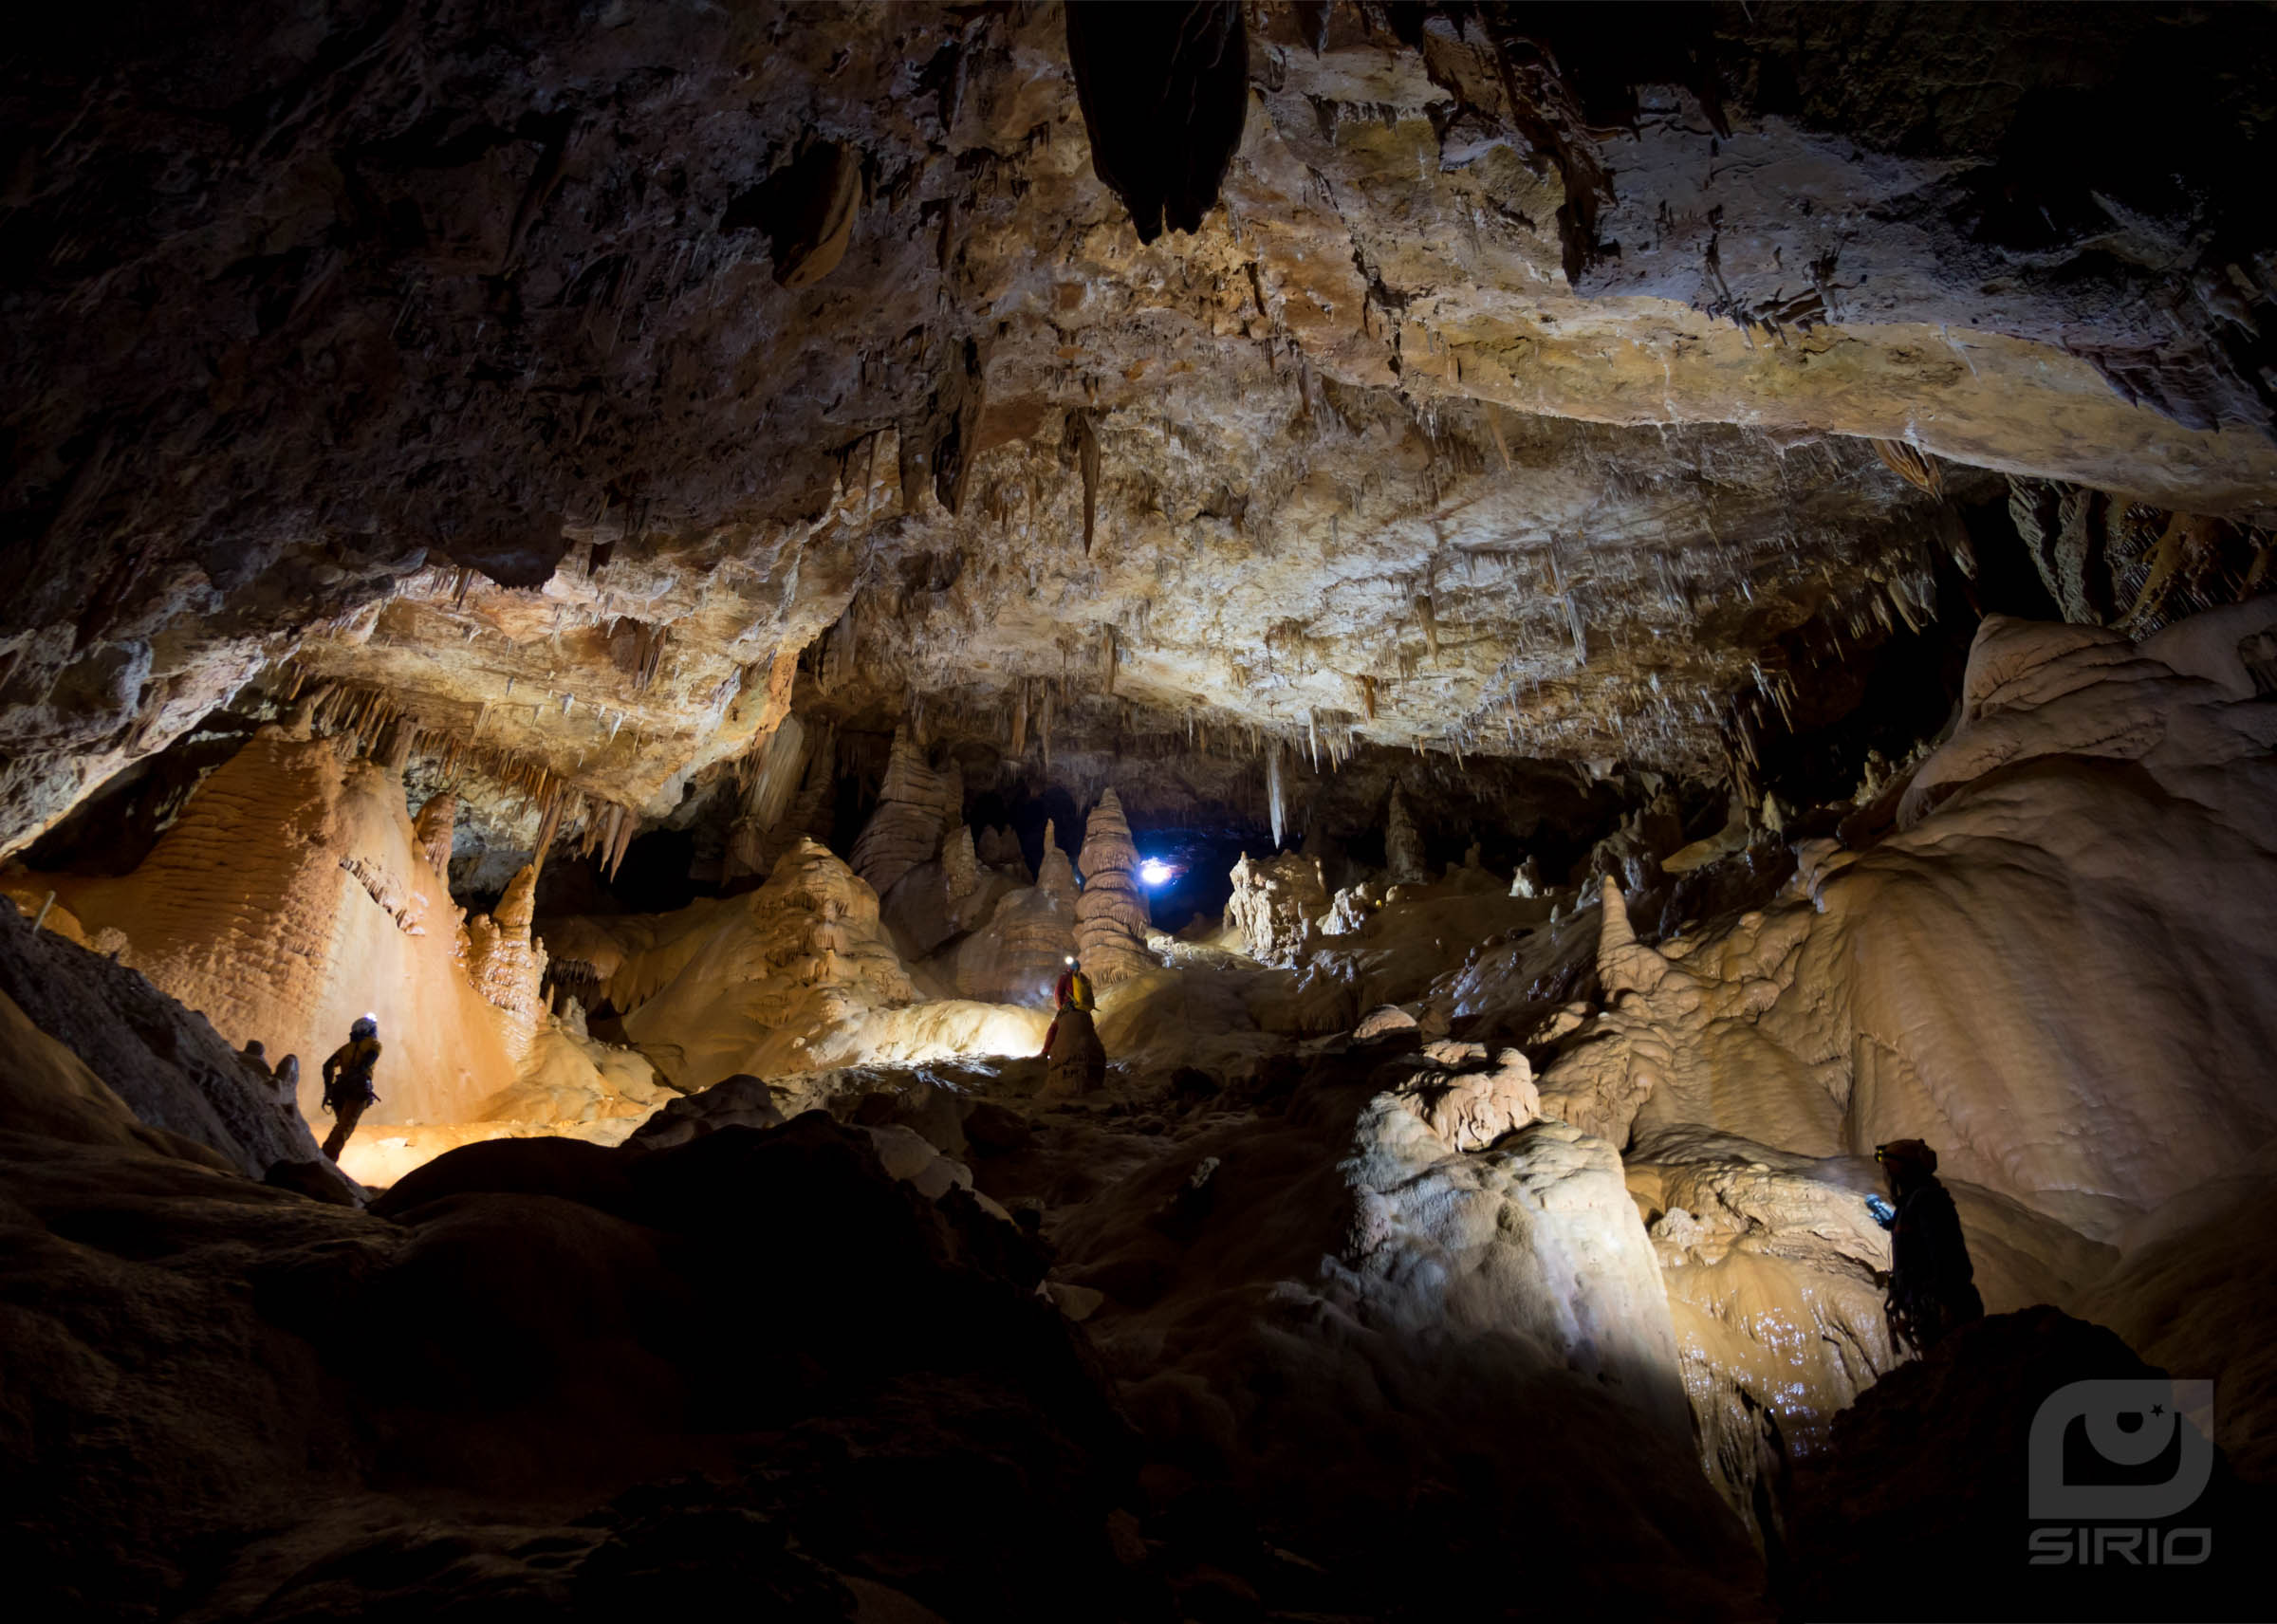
[[1893, 695]]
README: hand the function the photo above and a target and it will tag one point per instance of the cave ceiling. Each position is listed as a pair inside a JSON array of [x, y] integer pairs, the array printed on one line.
[[598, 384]]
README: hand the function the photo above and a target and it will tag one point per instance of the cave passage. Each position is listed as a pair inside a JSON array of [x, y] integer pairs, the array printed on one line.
[[1321, 809]]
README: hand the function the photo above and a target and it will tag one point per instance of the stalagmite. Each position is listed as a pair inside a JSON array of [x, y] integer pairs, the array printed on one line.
[[915, 804], [1111, 913], [960, 865], [1402, 846], [502, 960], [1055, 874]]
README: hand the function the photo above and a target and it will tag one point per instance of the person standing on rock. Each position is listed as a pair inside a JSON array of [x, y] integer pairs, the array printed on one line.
[[1074, 1060], [1933, 1283], [348, 1081], [1071, 992]]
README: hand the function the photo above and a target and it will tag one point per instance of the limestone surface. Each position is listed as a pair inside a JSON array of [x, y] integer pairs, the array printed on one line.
[[1277, 905]]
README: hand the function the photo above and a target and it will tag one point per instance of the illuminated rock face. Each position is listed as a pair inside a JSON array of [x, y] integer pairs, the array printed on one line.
[[1536, 1241], [1277, 904], [433, 830], [1018, 955], [1979, 980], [508, 968], [1467, 1099], [796, 976], [293, 896]]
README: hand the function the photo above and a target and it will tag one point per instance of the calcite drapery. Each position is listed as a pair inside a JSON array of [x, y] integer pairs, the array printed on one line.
[[431, 830]]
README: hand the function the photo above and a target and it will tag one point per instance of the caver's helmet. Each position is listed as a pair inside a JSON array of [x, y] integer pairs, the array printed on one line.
[[1906, 1154], [366, 1026]]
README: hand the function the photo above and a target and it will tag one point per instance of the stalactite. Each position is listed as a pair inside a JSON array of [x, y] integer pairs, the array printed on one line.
[[1909, 464], [1086, 446], [782, 764], [1276, 793], [548, 825]]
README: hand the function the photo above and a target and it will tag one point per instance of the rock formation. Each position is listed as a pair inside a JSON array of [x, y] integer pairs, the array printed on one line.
[[914, 805], [432, 829], [292, 894], [1873, 1002], [100, 1056], [1055, 875], [1110, 915], [1467, 1099], [960, 865], [1277, 905], [1349, 908], [507, 965], [1000, 848], [1402, 846], [797, 975], [1020, 952], [1077, 1063]]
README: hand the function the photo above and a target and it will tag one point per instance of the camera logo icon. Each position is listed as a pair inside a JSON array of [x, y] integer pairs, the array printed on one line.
[[2131, 1424]]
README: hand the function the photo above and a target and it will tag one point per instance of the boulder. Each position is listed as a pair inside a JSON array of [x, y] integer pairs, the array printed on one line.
[[739, 1101], [1938, 1458], [160, 1061], [1467, 1098], [1385, 1020], [1077, 1063]]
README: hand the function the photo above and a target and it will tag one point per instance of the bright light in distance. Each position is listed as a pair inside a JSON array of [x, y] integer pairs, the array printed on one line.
[[1154, 871]]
